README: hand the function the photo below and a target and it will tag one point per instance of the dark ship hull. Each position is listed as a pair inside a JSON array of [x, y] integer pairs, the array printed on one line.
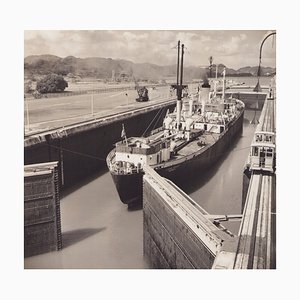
[[130, 186]]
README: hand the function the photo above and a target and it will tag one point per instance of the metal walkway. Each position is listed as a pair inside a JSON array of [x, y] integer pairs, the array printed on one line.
[[257, 235], [256, 244]]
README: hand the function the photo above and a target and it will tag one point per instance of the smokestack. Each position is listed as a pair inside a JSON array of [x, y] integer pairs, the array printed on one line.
[[204, 94]]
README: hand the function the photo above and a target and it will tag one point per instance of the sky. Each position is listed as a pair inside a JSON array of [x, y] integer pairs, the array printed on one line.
[[234, 48]]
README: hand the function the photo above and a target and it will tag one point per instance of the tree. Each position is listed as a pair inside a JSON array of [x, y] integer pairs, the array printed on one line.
[[28, 86], [52, 83], [62, 69]]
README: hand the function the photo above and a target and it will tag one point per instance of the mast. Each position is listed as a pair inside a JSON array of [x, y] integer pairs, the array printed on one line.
[[210, 65], [178, 54], [179, 86], [224, 81], [181, 71], [215, 82]]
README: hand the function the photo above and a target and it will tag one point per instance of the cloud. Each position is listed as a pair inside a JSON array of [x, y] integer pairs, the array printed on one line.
[[232, 47]]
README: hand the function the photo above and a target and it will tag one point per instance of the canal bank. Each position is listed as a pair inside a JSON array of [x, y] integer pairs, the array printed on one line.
[[81, 149], [99, 232]]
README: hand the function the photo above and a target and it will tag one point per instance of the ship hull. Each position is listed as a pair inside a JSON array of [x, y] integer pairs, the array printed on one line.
[[195, 164], [130, 187]]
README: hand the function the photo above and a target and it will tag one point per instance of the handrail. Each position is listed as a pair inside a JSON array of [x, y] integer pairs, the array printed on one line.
[[198, 219]]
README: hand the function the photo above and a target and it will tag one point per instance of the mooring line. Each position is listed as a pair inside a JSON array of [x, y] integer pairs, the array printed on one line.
[[78, 153]]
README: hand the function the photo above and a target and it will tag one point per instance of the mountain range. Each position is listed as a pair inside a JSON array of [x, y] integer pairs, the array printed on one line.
[[37, 65]]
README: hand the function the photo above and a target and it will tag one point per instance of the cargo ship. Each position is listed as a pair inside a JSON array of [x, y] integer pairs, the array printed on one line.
[[191, 139]]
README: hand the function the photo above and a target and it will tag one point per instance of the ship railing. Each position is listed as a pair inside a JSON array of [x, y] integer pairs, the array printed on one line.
[[136, 150], [111, 157], [240, 104], [214, 126], [125, 169], [215, 122], [111, 162], [157, 130]]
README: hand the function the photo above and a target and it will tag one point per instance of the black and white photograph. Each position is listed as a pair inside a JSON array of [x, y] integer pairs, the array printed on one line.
[[150, 149], [141, 145]]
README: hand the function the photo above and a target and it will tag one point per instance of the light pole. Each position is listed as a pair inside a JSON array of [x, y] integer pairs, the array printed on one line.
[[27, 113], [92, 100], [257, 88]]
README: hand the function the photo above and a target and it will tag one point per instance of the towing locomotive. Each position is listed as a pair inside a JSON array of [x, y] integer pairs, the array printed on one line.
[[263, 146]]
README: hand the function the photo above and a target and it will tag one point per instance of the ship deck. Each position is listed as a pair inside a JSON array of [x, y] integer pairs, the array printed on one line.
[[208, 138]]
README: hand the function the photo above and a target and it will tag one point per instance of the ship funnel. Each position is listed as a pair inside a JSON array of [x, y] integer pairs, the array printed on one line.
[[204, 95]]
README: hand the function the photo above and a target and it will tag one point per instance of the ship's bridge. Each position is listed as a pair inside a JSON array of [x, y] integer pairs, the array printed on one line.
[[141, 146]]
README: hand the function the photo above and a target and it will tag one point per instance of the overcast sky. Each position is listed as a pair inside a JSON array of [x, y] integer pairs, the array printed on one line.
[[234, 48]]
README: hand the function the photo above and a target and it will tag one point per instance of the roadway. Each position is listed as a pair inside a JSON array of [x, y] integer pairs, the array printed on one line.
[[48, 113]]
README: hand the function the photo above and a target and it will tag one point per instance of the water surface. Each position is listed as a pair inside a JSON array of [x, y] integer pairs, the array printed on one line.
[[99, 231]]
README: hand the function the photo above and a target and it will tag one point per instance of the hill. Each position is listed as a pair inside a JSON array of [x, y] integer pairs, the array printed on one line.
[[253, 70], [105, 68]]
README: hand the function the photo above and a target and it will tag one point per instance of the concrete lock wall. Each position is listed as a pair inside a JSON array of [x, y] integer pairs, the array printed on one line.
[[42, 223], [252, 100], [168, 241], [82, 150]]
